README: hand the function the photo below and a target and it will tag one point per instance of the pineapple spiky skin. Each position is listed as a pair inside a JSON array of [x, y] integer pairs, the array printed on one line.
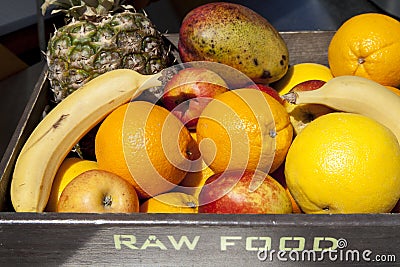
[[84, 49]]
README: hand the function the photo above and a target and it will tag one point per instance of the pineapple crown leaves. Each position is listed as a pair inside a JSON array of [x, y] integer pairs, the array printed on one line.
[[84, 8]]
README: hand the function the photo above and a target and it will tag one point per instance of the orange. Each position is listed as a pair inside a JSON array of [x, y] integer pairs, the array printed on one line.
[[244, 129], [146, 145], [295, 206], [68, 170], [344, 163], [170, 202], [279, 175], [367, 45]]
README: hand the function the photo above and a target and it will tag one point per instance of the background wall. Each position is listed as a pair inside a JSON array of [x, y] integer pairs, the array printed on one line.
[[287, 15]]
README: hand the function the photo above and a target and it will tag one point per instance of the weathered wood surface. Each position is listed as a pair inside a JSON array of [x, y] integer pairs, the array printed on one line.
[[51, 239], [197, 239]]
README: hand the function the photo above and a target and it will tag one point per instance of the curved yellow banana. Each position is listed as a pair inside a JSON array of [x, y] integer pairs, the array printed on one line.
[[358, 95], [61, 129]]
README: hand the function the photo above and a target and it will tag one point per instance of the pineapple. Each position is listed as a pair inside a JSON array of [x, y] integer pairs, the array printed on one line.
[[102, 35]]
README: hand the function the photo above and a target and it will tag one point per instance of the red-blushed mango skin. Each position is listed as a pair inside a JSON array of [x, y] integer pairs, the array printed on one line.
[[269, 198], [234, 35]]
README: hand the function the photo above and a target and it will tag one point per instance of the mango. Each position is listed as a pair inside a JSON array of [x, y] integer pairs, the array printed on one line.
[[236, 36]]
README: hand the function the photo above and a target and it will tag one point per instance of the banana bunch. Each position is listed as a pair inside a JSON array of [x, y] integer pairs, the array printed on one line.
[[357, 95], [62, 128]]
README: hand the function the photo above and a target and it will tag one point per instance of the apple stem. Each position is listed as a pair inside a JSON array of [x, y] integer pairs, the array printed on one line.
[[191, 204], [107, 201], [291, 97]]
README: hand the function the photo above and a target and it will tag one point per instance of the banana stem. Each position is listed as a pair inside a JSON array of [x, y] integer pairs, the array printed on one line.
[[290, 97]]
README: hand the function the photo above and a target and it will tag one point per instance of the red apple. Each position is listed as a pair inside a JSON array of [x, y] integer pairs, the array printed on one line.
[[269, 90], [308, 85], [98, 191], [189, 91], [231, 192], [301, 115]]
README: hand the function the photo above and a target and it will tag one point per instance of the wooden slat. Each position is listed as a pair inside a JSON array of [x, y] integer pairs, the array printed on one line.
[[193, 239], [308, 46]]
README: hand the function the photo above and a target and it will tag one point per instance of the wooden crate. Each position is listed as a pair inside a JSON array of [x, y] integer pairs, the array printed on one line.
[[190, 239]]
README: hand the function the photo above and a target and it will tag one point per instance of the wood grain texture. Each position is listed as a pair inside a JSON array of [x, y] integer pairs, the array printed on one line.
[[185, 240]]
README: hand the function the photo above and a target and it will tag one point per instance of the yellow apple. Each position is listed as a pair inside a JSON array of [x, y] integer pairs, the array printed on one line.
[[98, 191]]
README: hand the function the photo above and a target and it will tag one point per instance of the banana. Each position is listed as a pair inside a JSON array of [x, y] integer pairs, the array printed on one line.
[[357, 95], [61, 129]]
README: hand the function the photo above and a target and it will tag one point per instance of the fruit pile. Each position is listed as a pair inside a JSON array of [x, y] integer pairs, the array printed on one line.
[[234, 129]]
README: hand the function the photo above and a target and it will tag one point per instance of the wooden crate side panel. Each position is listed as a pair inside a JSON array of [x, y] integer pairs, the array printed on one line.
[[196, 239], [313, 48]]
